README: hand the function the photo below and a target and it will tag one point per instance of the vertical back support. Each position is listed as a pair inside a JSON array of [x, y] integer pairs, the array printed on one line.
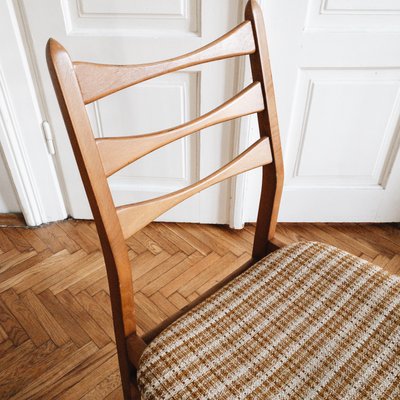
[[272, 174], [97, 190]]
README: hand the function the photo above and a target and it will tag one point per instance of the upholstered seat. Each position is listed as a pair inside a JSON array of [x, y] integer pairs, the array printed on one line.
[[308, 321]]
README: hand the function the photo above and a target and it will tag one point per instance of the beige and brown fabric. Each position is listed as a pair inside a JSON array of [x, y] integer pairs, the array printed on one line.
[[307, 322]]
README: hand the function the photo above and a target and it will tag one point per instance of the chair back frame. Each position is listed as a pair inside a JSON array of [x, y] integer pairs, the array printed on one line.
[[79, 83]]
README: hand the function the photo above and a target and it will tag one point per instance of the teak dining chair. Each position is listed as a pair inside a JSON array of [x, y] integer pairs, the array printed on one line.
[[303, 321]]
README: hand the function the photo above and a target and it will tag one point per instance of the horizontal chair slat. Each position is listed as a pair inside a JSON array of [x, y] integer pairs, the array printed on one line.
[[116, 153], [100, 80], [134, 217]]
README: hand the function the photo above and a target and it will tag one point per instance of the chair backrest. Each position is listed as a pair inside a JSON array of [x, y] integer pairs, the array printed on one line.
[[80, 83]]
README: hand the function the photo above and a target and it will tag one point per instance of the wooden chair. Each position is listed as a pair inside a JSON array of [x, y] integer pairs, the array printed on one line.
[[192, 357]]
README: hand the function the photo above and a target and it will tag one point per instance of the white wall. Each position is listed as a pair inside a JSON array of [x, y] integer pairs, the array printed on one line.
[[8, 198]]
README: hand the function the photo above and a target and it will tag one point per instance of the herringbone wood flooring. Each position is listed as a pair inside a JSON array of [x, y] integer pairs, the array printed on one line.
[[56, 337]]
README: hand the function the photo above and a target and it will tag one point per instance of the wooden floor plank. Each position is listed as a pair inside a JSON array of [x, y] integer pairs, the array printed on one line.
[[135, 245], [64, 318], [90, 381], [207, 272], [6, 347], [161, 282], [56, 334], [77, 236], [161, 240], [85, 268], [36, 273], [25, 265], [73, 378], [98, 286], [5, 242], [115, 395], [204, 236], [224, 270], [104, 387], [50, 378], [17, 239], [84, 319], [200, 246], [163, 304], [28, 321], [145, 262], [3, 334], [12, 327], [393, 266], [178, 300], [18, 355], [96, 311], [69, 268], [45, 318], [12, 220], [233, 242], [147, 242], [38, 244], [186, 273], [103, 299], [12, 257], [169, 234], [47, 236], [99, 272], [66, 241], [38, 361], [147, 283], [86, 231]]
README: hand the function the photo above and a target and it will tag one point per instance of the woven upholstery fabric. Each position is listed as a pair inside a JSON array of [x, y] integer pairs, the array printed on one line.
[[308, 321]]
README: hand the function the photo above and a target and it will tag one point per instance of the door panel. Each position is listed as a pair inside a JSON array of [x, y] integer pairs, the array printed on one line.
[[344, 126], [131, 32], [353, 15], [336, 73], [127, 17]]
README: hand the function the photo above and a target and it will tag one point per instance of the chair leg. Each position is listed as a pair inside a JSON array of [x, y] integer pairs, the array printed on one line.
[[135, 394], [128, 374]]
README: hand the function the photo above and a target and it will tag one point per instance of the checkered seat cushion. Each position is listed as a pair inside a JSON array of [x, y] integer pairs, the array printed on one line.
[[308, 321]]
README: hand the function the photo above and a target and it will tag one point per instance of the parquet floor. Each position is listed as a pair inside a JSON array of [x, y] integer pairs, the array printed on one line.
[[56, 338]]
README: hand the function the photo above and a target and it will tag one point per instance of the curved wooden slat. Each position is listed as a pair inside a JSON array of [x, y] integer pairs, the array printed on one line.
[[134, 217], [116, 153], [99, 80]]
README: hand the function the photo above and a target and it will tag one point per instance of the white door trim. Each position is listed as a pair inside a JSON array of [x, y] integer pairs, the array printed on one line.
[[17, 160], [30, 165]]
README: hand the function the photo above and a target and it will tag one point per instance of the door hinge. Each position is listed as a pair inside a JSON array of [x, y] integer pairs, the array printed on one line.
[[48, 136]]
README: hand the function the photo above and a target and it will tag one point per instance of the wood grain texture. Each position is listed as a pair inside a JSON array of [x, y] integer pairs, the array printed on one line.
[[98, 192], [12, 219], [135, 216], [272, 174], [116, 153], [79, 360], [100, 80]]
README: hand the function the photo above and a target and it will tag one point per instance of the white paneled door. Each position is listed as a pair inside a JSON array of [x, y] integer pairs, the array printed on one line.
[[336, 68], [139, 31]]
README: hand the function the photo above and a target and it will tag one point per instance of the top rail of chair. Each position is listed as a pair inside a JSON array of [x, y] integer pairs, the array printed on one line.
[[99, 80]]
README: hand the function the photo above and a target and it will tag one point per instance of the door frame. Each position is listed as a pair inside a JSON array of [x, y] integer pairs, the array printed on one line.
[[31, 166]]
